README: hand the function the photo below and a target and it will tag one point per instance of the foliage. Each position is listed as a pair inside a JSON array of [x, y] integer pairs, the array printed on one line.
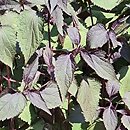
[[64, 65]]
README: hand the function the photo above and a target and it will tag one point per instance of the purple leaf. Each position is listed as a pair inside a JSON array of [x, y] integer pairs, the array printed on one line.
[[112, 87], [64, 73], [30, 71], [74, 35], [126, 121], [121, 127], [103, 68], [97, 36], [37, 101], [113, 39], [110, 118], [51, 95]]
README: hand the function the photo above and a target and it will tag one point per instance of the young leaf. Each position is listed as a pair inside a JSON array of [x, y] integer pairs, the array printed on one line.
[[51, 95], [126, 99], [7, 44], [57, 15], [112, 87], [103, 68], [113, 39], [64, 73], [11, 105], [74, 35], [30, 71], [97, 36], [126, 121], [29, 41], [37, 101], [88, 98], [110, 118]]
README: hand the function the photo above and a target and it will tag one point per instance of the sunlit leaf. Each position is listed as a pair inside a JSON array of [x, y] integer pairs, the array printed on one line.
[[103, 68], [64, 73], [126, 121], [11, 105], [7, 44], [126, 99], [105, 4], [124, 80], [110, 118], [51, 95], [53, 4], [88, 98], [30, 40], [97, 36], [37, 101]]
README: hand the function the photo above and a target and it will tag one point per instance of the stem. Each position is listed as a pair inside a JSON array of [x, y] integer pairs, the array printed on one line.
[[49, 32], [11, 124], [90, 9], [8, 76]]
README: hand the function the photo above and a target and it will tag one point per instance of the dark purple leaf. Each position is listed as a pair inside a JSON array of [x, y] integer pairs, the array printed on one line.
[[64, 73], [97, 36], [112, 87], [51, 95], [110, 118], [30, 71], [37, 101], [74, 35], [103, 68], [113, 39], [125, 52], [121, 127], [126, 121]]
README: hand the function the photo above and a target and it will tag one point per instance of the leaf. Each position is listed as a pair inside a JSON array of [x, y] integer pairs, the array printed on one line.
[[88, 98], [126, 121], [8, 45], [38, 2], [97, 36], [110, 118], [37, 101], [64, 73], [113, 39], [103, 68], [57, 15], [28, 115], [126, 99], [53, 4], [105, 4], [29, 41], [11, 105], [51, 95], [124, 80], [112, 87], [74, 35], [30, 71]]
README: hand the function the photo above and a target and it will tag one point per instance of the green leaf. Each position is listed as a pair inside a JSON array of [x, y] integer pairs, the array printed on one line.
[[105, 4], [126, 99], [124, 80], [103, 68], [7, 44], [63, 73], [29, 33], [57, 15], [28, 114], [88, 98], [11, 105], [51, 95]]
